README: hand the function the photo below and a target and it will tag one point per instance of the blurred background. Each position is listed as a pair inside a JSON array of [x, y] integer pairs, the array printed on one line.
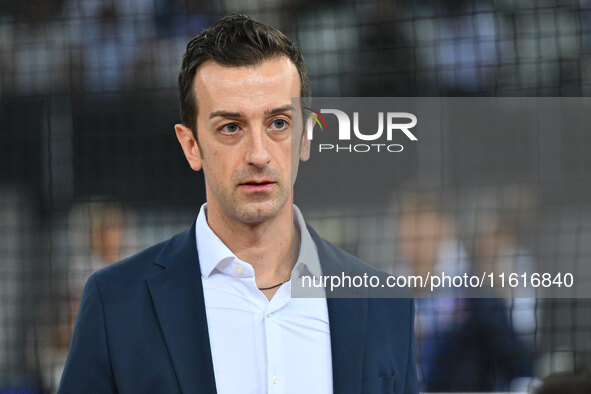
[[90, 170]]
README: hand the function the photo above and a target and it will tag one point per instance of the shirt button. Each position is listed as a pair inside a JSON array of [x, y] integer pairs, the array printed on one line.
[[269, 314], [239, 269], [275, 380]]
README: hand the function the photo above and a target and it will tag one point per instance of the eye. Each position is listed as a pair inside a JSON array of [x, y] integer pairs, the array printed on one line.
[[229, 129], [279, 124]]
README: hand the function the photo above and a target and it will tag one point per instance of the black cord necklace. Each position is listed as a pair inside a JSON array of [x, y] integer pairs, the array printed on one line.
[[274, 286]]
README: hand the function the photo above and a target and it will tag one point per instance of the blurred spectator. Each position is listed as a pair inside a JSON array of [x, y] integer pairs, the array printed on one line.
[[456, 44], [96, 237], [107, 34], [566, 383], [500, 218], [97, 232], [34, 57], [463, 344], [427, 237], [331, 44]]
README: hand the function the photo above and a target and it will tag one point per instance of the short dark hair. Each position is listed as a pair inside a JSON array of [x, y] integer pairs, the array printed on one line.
[[234, 40]]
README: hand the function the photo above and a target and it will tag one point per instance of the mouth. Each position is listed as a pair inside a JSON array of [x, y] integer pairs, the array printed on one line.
[[257, 185]]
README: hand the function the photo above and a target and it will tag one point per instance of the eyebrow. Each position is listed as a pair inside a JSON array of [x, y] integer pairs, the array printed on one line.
[[277, 110], [225, 114], [230, 114]]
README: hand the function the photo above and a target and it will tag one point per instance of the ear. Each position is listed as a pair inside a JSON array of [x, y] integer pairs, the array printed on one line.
[[189, 145], [305, 147]]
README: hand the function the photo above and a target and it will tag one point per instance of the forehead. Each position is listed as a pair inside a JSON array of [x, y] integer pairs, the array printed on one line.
[[243, 88]]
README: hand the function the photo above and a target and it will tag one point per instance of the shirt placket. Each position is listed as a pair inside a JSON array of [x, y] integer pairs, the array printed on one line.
[[276, 373]]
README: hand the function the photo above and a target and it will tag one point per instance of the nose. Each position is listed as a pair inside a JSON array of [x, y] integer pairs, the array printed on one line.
[[257, 153]]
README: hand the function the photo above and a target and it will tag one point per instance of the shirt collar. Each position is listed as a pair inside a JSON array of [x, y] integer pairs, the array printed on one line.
[[213, 253], [308, 262], [210, 248]]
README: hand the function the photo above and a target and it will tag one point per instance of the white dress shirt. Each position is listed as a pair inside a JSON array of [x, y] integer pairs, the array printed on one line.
[[259, 345]]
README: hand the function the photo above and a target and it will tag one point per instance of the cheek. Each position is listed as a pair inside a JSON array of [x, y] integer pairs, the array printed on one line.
[[287, 157], [210, 159], [219, 166]]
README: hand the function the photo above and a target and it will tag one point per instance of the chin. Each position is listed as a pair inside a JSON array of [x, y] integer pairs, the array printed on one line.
[[258, 213]]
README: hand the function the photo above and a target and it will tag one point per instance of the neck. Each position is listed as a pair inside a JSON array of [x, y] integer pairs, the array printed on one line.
[[271, 247]]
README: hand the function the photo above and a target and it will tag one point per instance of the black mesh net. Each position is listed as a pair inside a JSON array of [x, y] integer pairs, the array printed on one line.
[[91, 172]]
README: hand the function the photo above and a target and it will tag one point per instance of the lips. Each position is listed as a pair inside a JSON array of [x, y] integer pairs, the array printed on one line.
[[257, 185]]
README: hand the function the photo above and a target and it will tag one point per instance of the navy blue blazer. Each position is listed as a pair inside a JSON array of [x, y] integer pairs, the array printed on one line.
[[142, 328]]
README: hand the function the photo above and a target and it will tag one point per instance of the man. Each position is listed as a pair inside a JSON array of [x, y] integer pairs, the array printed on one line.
[[210, 310], [463, 344]]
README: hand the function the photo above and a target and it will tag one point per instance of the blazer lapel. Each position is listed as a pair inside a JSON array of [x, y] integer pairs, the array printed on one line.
[[177, 295], [347, 321]]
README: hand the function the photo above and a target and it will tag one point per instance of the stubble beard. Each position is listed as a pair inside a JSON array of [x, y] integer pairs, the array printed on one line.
[[251, 209], [258, 212]]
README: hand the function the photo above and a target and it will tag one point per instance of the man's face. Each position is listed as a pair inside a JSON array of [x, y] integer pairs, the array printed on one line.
[[245, 128]]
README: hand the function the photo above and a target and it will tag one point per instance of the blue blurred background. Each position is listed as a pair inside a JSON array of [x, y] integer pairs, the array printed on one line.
[[90, 170]]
